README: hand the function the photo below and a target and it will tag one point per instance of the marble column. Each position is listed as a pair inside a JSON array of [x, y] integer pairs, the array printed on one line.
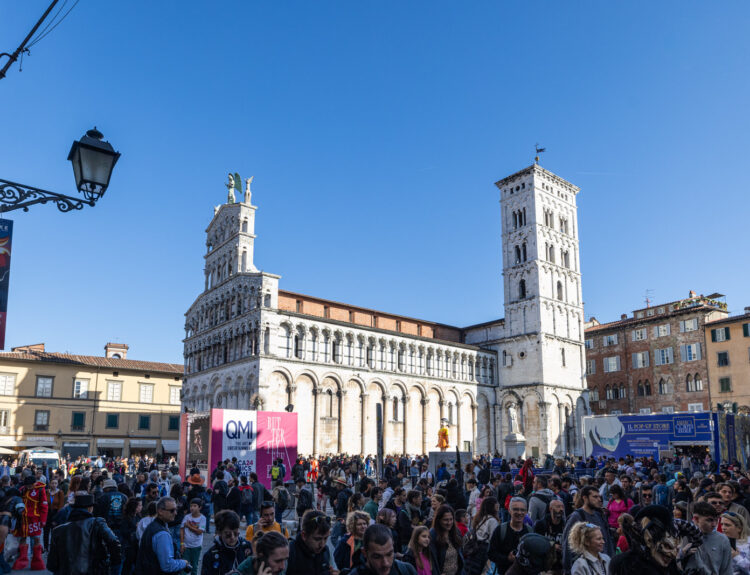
[[340, 394], [316, 395], [425, 402], [363, 399], [404, 404], [459, 435]]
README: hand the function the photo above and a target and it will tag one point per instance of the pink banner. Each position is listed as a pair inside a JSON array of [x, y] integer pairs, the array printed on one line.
[[256, 439]]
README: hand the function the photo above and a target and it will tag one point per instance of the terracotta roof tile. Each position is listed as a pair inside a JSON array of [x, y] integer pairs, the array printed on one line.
[[94, 361]]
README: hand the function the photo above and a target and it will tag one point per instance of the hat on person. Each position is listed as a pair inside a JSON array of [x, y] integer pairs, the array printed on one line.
[[83, 500], [195, 479], [341, 482], [107, 483]]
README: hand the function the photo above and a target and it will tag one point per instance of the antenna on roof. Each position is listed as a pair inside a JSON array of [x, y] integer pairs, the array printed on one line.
[[647, 297]]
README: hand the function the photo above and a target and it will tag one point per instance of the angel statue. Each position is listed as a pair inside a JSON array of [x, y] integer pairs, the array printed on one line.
[[230, 189], [248, 193], [442, 443]]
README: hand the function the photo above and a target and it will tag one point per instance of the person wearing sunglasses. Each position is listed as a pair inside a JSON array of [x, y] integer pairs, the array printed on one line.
[[157, 554], [308, 551]]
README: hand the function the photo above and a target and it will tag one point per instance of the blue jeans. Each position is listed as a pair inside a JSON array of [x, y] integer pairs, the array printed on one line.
[[175, 532], [253, 517]]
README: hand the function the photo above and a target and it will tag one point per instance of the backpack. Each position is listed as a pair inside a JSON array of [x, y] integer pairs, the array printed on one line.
[[275, 472], [283, 502], [472, 545], [504, 529], [304, 501], [246, 496]]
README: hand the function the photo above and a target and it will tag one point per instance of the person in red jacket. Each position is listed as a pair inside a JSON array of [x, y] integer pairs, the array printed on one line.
[[34, 495]]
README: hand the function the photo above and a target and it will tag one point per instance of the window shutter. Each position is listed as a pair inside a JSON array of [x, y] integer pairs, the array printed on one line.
[[669, 329], [746, 329], [635, 361], [682, 327], [683, 352], [726, 333], [713, 335], [656, 331], [670, 355], [698, 354], [618, 363], [645, 359]]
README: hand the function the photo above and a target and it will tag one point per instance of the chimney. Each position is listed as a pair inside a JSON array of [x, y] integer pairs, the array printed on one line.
[[34, 347], [624, 316], [116, 350], [747, 310], [691, 294]]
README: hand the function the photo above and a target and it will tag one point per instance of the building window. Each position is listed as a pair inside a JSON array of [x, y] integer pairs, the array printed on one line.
[[667, 409], [174, 395], [690, 352], [665, 387], [647, 388], [517, 251], [663, 356], [113, 420], [336, 351], [174, 423], [78, 422], [644, 410], [559, 291], [608, 340], [640, 334], [722, 358], [562, 357], [621, 394], [608, 393], [4, 420], [640, 360], [523, 251], [144, 422], [616, 412], [589, 343], [147, 393], [725, 384], [44, 386], [395, 409], [662, 330], [114, 391], [689, 325], [746, 329], [297, 347], [507, 359], [611, 364], [695, 407], [81, 389], [7, 383], [590, 366], [594, 394], [720, 334], [522, 289], [41, 420]]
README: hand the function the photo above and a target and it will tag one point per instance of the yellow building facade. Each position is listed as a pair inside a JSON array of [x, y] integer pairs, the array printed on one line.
[[728, 355], [85, 405]]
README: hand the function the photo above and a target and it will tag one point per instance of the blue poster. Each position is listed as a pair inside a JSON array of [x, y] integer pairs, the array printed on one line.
[[644, 435]]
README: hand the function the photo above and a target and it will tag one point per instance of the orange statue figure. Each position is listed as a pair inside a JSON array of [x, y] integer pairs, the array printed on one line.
[[442, 443]]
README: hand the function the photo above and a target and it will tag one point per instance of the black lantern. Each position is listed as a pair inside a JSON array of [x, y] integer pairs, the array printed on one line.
[[93, 160]]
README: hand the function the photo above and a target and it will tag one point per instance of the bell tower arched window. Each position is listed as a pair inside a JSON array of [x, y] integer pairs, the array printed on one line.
[[522, 289], [559, 291]]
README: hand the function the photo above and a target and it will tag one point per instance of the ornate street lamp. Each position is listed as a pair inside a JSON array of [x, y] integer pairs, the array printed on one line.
[[93, 160]]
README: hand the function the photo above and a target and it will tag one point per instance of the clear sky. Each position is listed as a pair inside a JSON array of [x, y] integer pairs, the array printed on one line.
[[375, 132]]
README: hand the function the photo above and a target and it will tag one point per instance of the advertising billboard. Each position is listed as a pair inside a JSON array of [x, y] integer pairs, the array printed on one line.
[[645, 435], [6, 238], [255, 438]]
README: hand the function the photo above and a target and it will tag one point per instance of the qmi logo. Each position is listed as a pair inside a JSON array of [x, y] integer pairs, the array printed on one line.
[[239, 430]]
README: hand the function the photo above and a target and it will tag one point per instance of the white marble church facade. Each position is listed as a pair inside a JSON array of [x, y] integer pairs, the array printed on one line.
[[250, 345]]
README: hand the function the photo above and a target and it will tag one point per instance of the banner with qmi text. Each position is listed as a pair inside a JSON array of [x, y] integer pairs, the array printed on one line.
[[6, 237]]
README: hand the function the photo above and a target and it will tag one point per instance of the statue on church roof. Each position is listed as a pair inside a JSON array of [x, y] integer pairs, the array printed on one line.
[[230, 190]]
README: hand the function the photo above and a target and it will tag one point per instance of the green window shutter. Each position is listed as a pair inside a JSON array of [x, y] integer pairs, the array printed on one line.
[[746, 329], [726, 333], [713, 335]]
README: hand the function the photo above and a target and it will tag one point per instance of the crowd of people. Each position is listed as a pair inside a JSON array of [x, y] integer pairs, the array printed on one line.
[[338, 515]]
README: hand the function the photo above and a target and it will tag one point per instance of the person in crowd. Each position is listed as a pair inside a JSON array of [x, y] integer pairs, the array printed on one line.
[[461, 517], [308, 551], [540, 498], [379, 554], [372, 506], [617, 505], [409, 516], [589, 512], [356, 503], [733, 525], [85, 544], [552, 527], [348, 551], [587, 541], [504, 540], [56, 499], [272, 554], [473, 491], [388, 518], [281, 499], [31, 527], [229, 550], [157, 550], [305, 500], [192, 528], [145, 520], [420, 554], [733, 501], [127, 535], [266, 523], [715, 553], [532, 555], [234, 496], [446, 542], [343, 494]]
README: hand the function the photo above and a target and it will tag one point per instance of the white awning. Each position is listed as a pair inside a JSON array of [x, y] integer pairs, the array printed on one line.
[[107, 442], [75, 444], [4, 440], [170, 445], [143, 443], [38, 441]]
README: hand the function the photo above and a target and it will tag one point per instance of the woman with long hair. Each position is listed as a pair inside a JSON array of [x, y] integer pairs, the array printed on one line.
[[356, 502], [484, 525], [617, 505], [526, 475], [388, 518], [486, 492], [733, 525], [127, 535], [587, 540], [419, 553], [446, 542], [348, 553]]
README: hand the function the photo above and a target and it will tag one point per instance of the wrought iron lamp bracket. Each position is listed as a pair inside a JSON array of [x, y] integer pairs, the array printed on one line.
[[14, 196]]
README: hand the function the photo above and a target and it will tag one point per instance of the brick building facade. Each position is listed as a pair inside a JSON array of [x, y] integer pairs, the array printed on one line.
[[654, 361]]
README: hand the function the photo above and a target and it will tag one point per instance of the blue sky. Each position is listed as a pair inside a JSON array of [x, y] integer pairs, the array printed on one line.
[[375, 132]]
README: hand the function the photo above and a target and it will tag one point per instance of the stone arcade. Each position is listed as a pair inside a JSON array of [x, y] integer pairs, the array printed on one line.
[[515, 385]]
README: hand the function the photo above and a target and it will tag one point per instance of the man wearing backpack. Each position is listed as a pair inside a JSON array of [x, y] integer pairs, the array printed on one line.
[[111, 507], [246, 499], [304, 499], [282, 499], [276, 472], [540, 498], [505, 538], [589, 512], [260, 494]]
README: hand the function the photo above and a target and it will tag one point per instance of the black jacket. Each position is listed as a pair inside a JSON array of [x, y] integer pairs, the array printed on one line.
[[404, 526], [342, 502], [411, 560], [303, 562], [439, 552], [398, 568], [220, 559], [234, 499], [111, 507], [83, 545]]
